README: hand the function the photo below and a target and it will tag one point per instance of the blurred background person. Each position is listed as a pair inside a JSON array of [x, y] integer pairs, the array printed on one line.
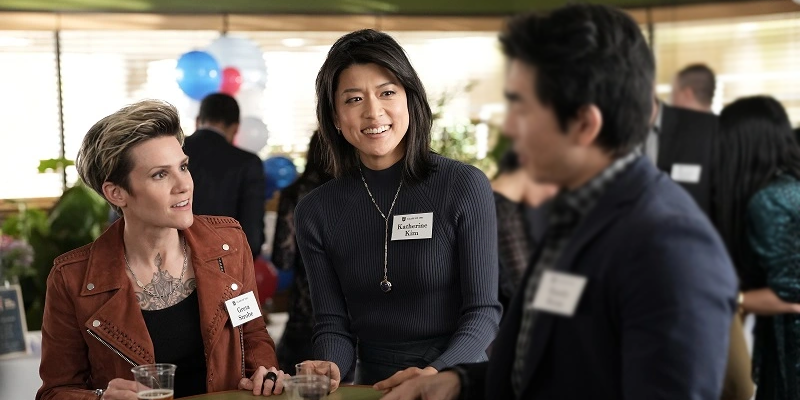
[[681, 143], [229, 181], [653, 290], [521, 221], [295, 344], [759, 218], [693, 88]]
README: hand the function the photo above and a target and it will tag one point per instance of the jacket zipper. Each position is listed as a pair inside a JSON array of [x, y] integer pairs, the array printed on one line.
[[241, 341], [112, 348]]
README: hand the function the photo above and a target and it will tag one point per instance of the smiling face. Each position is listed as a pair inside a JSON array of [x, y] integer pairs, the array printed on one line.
[[372, 114], [161, 186]]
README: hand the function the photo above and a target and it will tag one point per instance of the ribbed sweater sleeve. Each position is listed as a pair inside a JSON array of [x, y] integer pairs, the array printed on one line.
[[333, 340], [476, 237]]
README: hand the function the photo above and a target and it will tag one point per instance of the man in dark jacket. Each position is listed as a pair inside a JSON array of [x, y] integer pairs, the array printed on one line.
[[227, 180]]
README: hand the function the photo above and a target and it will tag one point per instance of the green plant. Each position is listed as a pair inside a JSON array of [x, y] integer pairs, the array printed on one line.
[[76, 219], [460, 141]]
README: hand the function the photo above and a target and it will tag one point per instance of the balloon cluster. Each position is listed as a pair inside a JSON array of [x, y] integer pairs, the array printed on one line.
[[228, 65], [234, 66]]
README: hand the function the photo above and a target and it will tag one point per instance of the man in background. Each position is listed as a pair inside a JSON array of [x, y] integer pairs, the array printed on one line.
[[693, 88], [227, 180], [681, 143]]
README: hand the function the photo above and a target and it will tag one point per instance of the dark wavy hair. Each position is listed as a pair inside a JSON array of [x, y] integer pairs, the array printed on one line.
[[589, 54], [371, 47], [755, 144], [315, 164]]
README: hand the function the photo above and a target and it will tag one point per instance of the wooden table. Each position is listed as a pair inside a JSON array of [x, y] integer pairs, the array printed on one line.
[[343, 393]]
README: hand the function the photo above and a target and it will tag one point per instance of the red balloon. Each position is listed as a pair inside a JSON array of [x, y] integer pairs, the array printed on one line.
[[266, 279], [231, 81]]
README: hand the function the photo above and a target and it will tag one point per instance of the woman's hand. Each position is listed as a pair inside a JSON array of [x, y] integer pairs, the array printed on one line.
[[326, 368], [121, 389], [259, 383], [399, 377], [765, 302]]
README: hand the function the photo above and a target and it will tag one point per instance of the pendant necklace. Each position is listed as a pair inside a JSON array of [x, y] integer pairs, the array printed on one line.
[[386, 286]]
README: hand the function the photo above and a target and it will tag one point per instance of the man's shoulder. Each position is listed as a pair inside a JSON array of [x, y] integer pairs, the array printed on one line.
[[201, 146], [683, 117]]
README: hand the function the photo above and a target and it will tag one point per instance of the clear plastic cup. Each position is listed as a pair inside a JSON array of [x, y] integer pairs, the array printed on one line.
[[307, 387], [155, 381]]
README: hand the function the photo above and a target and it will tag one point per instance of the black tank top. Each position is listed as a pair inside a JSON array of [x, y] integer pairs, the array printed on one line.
[[175, 332]]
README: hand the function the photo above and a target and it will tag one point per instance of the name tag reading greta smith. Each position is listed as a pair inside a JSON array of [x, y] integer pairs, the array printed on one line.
[[559, 293], [412, 226], [243, 308]]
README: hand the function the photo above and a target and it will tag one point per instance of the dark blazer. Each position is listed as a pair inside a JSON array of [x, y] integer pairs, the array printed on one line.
[[228, 181], [653, 320], [687, 137]]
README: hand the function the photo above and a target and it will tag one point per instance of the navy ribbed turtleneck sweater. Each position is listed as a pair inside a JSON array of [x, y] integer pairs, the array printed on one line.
[[446, 285]]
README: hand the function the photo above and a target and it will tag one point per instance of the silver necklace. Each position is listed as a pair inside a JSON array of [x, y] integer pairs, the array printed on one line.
[[174, 286], [386, 286]]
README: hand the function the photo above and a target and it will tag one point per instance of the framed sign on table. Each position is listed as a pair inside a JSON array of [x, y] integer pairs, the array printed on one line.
[[13, 329]]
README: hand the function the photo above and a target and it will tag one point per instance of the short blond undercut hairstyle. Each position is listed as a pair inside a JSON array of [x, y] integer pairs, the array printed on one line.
[[104, 155]]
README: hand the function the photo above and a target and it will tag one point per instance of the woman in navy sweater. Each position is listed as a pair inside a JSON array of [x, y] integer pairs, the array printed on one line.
[[401, 247]]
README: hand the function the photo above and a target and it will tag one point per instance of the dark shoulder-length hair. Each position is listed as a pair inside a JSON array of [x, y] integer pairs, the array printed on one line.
[[315, 164], [371, 47], [755, 145]]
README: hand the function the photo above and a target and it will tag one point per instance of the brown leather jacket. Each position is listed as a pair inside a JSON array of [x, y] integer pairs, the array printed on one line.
[[93, 330]]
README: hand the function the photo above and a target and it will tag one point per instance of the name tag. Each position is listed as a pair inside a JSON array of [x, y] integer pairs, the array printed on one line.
[[243, 308], [412, 226], [559, 293], [686, 173]]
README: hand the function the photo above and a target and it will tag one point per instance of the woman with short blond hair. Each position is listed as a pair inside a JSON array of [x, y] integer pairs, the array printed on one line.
[[151, 288]]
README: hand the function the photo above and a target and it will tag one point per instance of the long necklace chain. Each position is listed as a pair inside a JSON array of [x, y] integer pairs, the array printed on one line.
[[386, 286], [174, 286]]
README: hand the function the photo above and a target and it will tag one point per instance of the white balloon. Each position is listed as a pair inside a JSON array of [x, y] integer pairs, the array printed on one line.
[[252, 135], [251, 102], [244, 55]]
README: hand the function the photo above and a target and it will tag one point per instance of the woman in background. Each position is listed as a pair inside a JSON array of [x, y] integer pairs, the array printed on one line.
[[521, 221], [758, 212], [295, 344]]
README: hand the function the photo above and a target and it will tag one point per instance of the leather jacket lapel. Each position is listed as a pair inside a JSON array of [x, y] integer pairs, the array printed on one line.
[[118, 322], [210, 254]]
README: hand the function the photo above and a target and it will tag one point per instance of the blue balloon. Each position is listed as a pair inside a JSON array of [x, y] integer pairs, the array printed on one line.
[[198, 74], [285, 277], [280, 172]]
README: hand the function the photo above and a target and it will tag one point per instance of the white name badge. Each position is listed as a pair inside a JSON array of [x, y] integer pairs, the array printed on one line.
[[412, 226], [243, 308], [686, 173], [559, 293]]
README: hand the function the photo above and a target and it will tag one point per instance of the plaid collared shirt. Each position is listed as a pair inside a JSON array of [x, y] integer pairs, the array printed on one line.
[[568, 210]]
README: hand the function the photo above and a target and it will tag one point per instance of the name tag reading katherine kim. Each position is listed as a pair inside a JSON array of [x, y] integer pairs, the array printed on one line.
[[243, 308], [412, 226]]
